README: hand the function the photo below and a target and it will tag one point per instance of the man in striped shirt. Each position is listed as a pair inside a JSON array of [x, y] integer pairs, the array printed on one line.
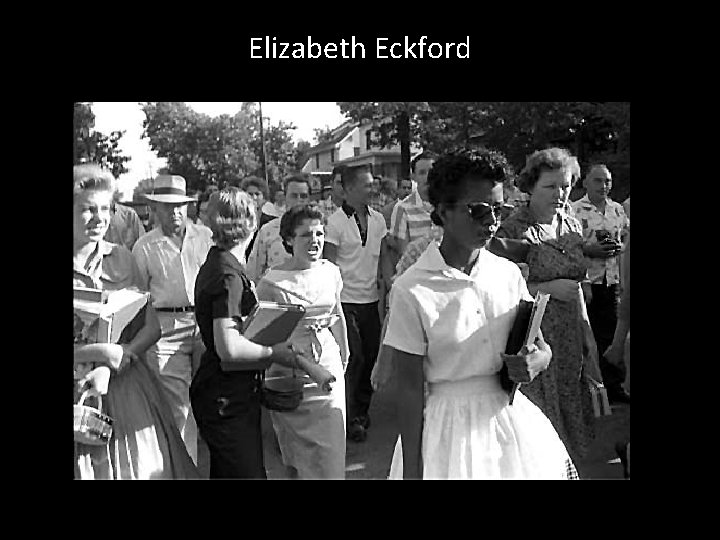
[[410, 219]]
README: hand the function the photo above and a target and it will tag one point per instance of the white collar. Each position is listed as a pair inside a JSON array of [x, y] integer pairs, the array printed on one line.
[[432, 260]]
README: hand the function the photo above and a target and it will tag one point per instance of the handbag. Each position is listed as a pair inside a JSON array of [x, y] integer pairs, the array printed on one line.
[[90, 425], [281, 394]]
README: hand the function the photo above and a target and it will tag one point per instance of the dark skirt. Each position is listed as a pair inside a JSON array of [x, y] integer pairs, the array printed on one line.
[[226, 406]]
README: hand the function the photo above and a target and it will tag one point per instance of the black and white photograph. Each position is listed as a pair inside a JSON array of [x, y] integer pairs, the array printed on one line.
[[351, 290]]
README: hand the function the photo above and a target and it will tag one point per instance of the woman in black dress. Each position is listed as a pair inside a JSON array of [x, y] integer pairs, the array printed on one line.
[[226, 404]]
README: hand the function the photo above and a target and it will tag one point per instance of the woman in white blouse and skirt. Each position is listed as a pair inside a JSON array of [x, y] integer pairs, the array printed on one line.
[[312, 437], [450, 317]]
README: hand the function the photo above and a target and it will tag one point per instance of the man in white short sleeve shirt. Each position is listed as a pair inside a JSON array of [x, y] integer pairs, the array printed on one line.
[[352, 241], [604, 224]]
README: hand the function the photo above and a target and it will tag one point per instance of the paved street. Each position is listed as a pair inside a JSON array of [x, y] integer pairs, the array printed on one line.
[[371, 459]]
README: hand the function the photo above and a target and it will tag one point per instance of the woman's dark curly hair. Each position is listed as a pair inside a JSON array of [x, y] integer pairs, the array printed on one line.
[[257, 182], [292, 219], [448, 175], [550, 159]]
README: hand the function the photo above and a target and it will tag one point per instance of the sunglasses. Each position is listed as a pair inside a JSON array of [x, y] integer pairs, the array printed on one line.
[[479, 211]]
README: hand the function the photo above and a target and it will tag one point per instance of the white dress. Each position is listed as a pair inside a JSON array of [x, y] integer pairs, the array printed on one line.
[[312, 437], [460, 324]]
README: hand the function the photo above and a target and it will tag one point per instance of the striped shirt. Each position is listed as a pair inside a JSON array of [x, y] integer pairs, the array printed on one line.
[[378, 200], [327, 208], [410, 219]]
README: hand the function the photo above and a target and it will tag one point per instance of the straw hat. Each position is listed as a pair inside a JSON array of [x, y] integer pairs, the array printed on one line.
[[169, 189]]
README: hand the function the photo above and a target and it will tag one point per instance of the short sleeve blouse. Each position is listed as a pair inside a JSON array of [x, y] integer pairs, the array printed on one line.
[[222, 290], [459, 322], [110, 267]]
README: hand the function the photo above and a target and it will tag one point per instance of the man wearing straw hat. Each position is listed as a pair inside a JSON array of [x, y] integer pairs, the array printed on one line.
[[169, 258]]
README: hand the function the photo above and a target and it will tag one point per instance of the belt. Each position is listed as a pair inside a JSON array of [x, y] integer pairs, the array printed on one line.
[[481, 384], [176, 309]]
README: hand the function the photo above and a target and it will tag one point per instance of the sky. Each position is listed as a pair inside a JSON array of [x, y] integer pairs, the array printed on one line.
[[127, 116]]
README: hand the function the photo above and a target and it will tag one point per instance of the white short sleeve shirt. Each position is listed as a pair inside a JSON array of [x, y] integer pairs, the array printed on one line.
[[358, 263], [169, 272], [460, 322], [268, 251]]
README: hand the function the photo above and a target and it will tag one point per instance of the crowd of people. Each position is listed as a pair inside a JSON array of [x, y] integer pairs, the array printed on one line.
[[411, 287]]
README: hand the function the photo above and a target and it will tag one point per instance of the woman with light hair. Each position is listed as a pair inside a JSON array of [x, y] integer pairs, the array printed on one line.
[[556, 265], [226, 404], [145, 443]]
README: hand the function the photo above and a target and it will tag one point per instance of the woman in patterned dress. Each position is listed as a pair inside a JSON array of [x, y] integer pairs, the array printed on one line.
[[312, 437], [557, 266], [145, 443]]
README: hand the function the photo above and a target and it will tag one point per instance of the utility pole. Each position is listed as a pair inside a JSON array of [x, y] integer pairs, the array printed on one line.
[[262, 145], [403, 126]]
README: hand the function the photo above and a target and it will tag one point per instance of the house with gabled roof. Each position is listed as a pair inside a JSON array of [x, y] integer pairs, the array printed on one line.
[[352, 144]]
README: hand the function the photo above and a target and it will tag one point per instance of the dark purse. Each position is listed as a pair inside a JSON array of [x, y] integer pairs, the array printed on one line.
[[283, 394]]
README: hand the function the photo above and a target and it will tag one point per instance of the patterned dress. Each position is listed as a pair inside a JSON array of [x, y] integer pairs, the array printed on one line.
[[560, 391], [145, 443]]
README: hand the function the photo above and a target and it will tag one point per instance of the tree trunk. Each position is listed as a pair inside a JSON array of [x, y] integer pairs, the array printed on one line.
[[403, 124], [580, 150]]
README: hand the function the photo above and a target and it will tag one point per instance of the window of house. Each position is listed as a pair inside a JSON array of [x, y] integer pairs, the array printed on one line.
[[317, 161], [332, 155], [368, 140]]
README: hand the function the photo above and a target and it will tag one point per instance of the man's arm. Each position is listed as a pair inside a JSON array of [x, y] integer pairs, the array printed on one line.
[[137, 228], [402, 233], [330, 252], [332, 241], [398, 235], [141, 260], [386, 266]]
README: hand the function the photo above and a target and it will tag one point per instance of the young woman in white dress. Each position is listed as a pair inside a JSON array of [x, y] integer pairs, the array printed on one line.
[[312, 437], [449, 320]]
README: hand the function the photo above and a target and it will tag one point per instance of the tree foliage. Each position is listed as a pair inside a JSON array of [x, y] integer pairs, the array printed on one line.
[[94, 146], [280, 152], [393, 122], [593, 131], [322, 134], [203, 149], [213, 150], [300, 153]]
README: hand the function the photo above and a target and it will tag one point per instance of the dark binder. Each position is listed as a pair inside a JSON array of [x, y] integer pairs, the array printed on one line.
[[269, 323], [515, 342], [523, 332]]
